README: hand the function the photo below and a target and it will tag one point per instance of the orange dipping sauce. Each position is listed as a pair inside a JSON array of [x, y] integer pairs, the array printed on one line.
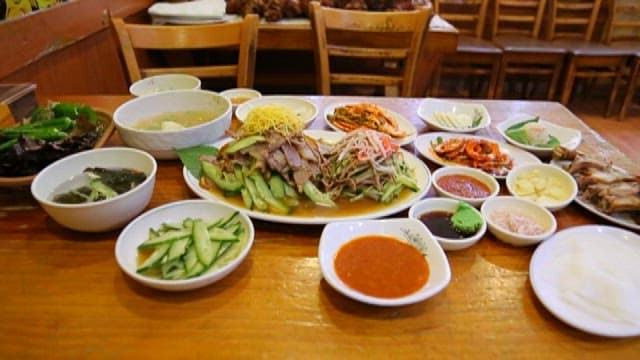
[[464, 186], [381, 266]]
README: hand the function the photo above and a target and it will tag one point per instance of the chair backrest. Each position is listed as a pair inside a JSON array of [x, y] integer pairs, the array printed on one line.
[[572, 19], [518, 17], [136, 39], [623, 21], [468, 16], [392, 37]]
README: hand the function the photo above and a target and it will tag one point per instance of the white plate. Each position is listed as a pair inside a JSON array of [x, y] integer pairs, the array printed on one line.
[[619, 218], [423, 177], [137, 231], [430, 105], [573, 290], [305, 109], [412, 231], [191, 20], [622, 219], [569, 138], [423, 145], [403, 123]]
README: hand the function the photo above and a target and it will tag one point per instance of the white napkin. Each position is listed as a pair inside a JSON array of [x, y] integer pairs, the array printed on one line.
[[195, 9]]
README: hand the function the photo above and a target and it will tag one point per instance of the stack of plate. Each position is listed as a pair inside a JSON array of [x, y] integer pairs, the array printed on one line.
[[189, 12]]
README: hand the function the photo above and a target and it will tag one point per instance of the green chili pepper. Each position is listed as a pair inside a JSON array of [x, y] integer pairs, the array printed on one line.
[[8, 144], [61, 124], [74, 110], [46, 133], [41, 113]]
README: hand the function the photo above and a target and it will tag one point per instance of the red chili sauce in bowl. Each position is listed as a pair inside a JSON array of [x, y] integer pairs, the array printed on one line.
[[464, 186], [381, 266]]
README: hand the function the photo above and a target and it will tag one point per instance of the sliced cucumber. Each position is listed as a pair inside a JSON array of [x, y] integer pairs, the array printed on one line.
[[204, 248], [242, 143], [168, 236], [154, 258]]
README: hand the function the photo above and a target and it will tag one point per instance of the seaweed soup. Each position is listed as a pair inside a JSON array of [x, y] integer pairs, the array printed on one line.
[[97, 184]]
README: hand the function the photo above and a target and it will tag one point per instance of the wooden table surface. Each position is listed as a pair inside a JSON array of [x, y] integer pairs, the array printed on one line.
[[63, 295]]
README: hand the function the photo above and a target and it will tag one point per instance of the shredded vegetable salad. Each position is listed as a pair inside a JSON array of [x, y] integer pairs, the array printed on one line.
[[367, 163], [365, 115]]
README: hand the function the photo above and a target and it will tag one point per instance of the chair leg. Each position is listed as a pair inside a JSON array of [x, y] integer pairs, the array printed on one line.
[[555, 78], [435, 84], [614, 90], [568, 85], [502, 73], [493, 80], [631, 87]]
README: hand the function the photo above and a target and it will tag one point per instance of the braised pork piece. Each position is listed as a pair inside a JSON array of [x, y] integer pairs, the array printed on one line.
[[609, 188], [274, 10]]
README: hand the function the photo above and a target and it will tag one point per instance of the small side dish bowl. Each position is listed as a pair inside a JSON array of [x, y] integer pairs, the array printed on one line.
[[409, 231], [446, 205], [462, 182], [505, 214], [569, 138], [163, 143], [161, 83], [102, 215], [468, 111], [126, 249], [239, 96], [303, 108], [545, 184]]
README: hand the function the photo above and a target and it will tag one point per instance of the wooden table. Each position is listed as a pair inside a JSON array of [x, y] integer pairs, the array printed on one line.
[[63, 295]]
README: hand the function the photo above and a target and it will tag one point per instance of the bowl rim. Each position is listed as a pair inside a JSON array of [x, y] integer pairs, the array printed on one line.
[[156, 283], [226, 92], [424, 114], [42, 199], [524, 238], [421, 295], [473, 172], [413, 213], [548, 167], [161, 76], [133, 130]]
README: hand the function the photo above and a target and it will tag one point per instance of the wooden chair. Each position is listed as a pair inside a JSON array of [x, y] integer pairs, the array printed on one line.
[[516, 29], [475, 56], [623, 32], [388, 41], [136, 39], [598, 60]]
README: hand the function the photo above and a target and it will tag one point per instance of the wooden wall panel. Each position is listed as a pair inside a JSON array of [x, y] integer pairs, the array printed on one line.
[[67, 48]]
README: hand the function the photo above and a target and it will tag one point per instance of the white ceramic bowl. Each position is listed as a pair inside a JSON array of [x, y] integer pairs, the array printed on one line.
[[136, 232], [430, 105], [161, 83], [97, 216], [477, 174], [517, 206], [412, 231], [162, 144], [545, 184], [238, 96], [447, 205], [569, 138]]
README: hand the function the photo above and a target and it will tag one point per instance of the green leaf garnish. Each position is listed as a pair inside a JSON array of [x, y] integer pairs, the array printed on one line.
[[190, 157]]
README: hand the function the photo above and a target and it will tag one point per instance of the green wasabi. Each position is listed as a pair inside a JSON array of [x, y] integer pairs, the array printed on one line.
[[466, 220]]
